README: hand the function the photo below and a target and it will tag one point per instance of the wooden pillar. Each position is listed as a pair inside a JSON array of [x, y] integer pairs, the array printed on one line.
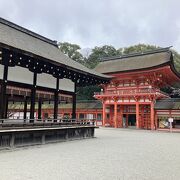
[[40, 109], [74, 102], [152, 115], [121, 115], [127, 116], [156, 120], [78, 115], [33, 97], [111, 117], [137, 114], [104, 114], [25, 109], [5, 62], [142, 117], [6, 107], [115, 114], [96, 117], [56, 100]]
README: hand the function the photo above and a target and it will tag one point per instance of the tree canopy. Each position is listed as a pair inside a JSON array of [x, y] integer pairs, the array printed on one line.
[[98, 53], [72, 51]]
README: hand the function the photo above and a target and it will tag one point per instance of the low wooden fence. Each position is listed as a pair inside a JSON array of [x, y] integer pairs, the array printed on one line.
[[18, 134]]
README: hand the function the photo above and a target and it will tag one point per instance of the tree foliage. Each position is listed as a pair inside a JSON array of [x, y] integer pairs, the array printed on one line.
[[72, 51], [86, 93], [136, 49], [98, 53], [176, 58]]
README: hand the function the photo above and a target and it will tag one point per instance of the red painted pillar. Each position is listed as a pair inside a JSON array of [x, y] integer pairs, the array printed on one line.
[[156, 121], [152, 115], [121, 115], [115, 114], [170, 113], [137, 115], [96, 118], [127, 120], [142, 117], [104, 114], [111, 118], [78, 115]]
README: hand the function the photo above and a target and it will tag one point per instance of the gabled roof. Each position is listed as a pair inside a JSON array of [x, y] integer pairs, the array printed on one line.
[[172, 103], [164, 104], [14, 36], [137, 61], [84, 105]]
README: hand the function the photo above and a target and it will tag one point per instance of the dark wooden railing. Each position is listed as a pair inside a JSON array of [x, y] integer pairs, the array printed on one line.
[[31, 123]]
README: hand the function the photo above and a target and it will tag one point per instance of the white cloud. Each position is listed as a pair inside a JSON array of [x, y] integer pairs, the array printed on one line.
[[91, 23]]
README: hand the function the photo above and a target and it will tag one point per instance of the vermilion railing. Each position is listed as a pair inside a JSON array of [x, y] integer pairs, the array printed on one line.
[[132, 92]]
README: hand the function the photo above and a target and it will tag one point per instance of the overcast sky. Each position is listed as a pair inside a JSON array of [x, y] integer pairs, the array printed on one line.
[[92, 23]]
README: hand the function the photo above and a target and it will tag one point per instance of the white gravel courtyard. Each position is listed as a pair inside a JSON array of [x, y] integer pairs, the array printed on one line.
[[114, 154]]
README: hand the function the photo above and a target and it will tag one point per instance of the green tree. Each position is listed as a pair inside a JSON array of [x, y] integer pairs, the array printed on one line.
[[136, 49], [86, 93], [176, 58], [91, 62], [72, 51], [98, 53]]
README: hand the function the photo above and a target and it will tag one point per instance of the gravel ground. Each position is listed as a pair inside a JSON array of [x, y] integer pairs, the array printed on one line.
[[114, 154]]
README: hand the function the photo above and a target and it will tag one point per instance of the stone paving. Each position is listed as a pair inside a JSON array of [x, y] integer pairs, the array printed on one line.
[[116, 154]]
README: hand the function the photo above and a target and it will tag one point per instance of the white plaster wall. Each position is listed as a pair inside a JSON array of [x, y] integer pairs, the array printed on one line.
[[23, 75], [119, 100], [46, 80], [107, 110], [66, 84], [20, 115], [89, 116], [132, 100], [49, 81], [141, 100], [19, 74], [1, 71]]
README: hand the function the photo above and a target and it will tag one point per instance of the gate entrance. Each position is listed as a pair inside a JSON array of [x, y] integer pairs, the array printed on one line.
[[132, 120]]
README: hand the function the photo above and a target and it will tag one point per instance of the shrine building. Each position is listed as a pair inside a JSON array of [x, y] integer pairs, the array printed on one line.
[[35, 74], [133, 98], [135, 89], [34, 71]]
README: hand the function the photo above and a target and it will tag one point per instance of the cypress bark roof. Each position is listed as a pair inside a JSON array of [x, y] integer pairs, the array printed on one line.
[[15, 36], [136, 61], [173, 103], [94, 104], [165, 104]]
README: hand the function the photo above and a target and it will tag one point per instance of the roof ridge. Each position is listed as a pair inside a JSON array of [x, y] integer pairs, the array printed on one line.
[[159, 50], [87, 101], [169, 99], [26, 31]]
